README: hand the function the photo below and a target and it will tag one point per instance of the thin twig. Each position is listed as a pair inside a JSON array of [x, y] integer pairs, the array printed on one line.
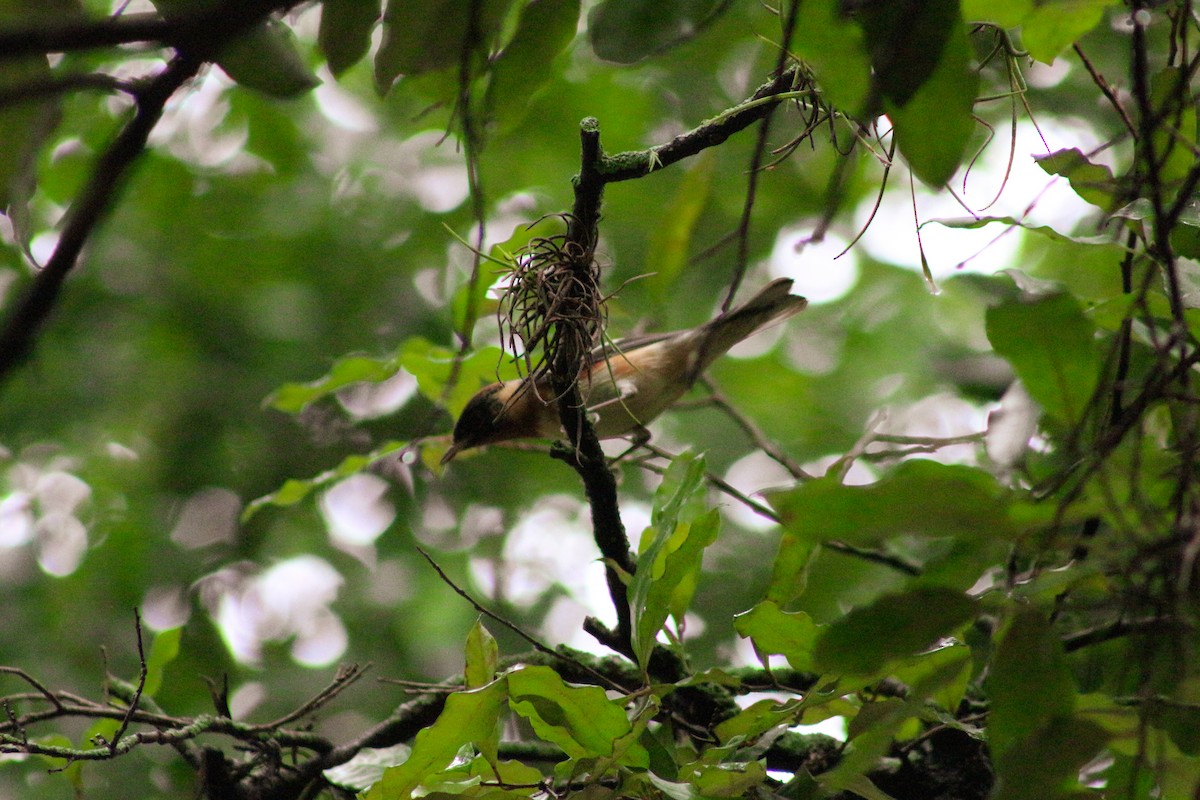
[[135, 701], [346, 676], [492, 615], [756, 159], [756, 434]]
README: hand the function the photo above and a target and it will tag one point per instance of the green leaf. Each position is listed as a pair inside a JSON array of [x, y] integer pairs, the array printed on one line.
[[933, 126], [1185, 236], [971, 223], [266, 59], [1093, 182], [1052, 27], [789, 573], [422, 37], [857, 783], [345, 33], [869, 639], [908, 41], [294, 490], [523, 66], [292, 398], [1005, 13], [469, 718], [669, 241], [776, 632], [1029, 683], [835, 49], [754, 720], [1051, 345], [626, 31], [367, 767], [671, 551], [433, 365], [729, 780], [482, 656], [1045, 764], [163, 650], [941, 676], [579, 719], [24, 128], [1179, 721], [919, 497]]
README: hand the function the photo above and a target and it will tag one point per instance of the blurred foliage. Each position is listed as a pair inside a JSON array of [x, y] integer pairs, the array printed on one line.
[[957, 498]]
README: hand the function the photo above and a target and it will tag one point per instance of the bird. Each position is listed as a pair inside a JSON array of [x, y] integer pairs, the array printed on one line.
[[626, 384]]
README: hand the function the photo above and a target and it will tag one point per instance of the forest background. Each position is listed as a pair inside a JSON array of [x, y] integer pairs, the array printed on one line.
[[252, 268]]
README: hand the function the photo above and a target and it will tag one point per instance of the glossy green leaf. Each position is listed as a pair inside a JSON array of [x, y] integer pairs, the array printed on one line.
[[545, 29], [791, 634], [834, 47], [754, 720], [1029, 684], [292, 398], [345, 33], [920, 497], [934, 124], [1185, 236], [626, 31], [469, 718], [367, 767], [671, 551], [266, 59], [1045, 764], [868, 639], [482, 656], [1050, 28], [1093, 182], [579, 719], [1060, 371], [163, 650]]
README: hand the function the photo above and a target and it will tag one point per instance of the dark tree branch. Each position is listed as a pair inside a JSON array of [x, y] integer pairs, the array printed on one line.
[[710, 133], [55, 85], [200, 32], [585, 455], [29, 313]]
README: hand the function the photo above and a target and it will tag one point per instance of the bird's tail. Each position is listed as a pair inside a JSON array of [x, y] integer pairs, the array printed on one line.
[[773, 303]]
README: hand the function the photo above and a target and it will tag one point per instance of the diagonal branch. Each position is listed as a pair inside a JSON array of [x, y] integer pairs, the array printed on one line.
[[19, 332], [200, 32]]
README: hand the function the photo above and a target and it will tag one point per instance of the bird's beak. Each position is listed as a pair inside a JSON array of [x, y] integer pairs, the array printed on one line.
[[450, 454]]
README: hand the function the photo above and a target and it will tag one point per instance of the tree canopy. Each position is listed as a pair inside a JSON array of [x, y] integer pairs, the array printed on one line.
[[934, 537]]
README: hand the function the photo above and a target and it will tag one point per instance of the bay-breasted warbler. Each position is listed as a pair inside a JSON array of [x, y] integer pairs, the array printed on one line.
[[627, 384]]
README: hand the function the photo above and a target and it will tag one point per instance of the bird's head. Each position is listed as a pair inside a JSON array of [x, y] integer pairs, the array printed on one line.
[[496, 413]]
